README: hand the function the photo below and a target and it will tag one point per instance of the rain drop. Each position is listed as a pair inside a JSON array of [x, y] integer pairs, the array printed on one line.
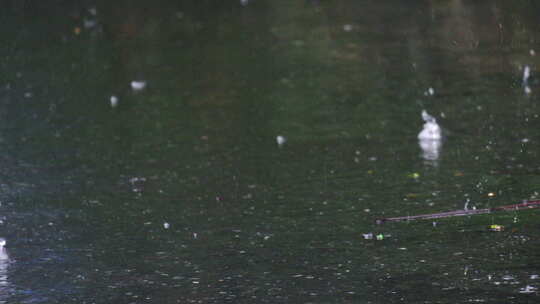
[[138, 85], [114, 101], [281, 140]]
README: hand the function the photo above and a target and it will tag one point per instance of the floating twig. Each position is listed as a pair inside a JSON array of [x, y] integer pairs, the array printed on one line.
[[525, 205]]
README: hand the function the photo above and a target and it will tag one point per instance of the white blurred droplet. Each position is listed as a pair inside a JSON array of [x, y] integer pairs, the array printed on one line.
[[280, 140], [166, 225], [429, 91], [532, 52], [527, 90], [347, 27], [195, 235], [244, 2], [114, 101], [138, 85], [2, 242], [508, 277], [89, 23]]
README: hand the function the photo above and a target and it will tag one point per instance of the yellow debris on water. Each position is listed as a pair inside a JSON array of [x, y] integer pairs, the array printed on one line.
[[496, 227], [414, 175]]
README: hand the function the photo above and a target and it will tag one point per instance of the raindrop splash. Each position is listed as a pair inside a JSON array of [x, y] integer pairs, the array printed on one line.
[[431, 129], [430, 138]]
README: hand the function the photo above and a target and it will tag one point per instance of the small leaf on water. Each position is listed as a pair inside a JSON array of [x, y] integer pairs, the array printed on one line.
[[414, 175]]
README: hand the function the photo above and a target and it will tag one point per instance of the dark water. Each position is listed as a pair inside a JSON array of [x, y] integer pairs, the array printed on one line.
[[180, 192]]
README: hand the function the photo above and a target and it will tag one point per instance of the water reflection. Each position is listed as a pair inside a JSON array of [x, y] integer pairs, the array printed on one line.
[[431, 148], [4, 263]]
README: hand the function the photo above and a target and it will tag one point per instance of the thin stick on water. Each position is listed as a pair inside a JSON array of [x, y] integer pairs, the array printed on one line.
[[514, 207]]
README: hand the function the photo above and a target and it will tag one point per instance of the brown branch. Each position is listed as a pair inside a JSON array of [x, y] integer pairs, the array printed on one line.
[[525, 205]]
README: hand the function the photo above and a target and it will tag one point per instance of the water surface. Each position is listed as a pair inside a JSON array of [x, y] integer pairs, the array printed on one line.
[[180, 193]]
